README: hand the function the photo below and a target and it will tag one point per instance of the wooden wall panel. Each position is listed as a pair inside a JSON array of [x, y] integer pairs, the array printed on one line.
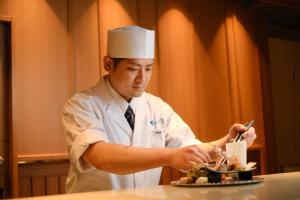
[[296, 59], [62, 183], [176, 64], [42, 178], [4, 86], [284, 62], [38, 186], [25, 187], [214, 96], [54, 55], [39, 73], [52, 185], [84, 44], [247, 62], [5, 105]]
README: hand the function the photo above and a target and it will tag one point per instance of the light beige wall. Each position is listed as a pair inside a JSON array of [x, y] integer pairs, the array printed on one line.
[[40, 68], [55, 54], [84, 43]]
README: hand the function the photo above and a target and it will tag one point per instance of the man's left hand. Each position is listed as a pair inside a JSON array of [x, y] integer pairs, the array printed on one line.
[[249, 136]]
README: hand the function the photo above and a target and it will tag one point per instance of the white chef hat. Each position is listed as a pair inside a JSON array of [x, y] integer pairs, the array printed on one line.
[[130, 42]]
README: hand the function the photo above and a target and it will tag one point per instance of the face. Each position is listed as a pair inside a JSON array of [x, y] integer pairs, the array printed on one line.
[[130, 77]]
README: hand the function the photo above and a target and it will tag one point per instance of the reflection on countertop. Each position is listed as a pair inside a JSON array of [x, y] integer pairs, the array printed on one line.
[[275, 186]]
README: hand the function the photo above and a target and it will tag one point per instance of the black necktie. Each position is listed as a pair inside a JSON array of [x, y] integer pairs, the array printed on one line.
[[129, 115]]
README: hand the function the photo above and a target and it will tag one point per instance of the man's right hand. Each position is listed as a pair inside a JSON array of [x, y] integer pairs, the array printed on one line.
[[185, 157]]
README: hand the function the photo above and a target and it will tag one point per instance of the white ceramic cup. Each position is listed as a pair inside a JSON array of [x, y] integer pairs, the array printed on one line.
[[238, 149]]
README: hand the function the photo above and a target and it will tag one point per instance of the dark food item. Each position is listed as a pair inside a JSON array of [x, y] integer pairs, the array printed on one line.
[[245, 175], [214, 176]]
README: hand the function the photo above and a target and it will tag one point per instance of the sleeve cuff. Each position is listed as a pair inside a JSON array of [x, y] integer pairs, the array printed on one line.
[[80, 145], [190, 142]]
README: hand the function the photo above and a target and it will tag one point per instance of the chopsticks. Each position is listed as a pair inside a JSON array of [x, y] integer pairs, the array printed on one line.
[[220, 152], [238, 138]]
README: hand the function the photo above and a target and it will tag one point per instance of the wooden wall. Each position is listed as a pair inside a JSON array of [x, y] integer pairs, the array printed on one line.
[[206, 51], [207, 64], [36, 179], [285, 81], [5, 77], [50, 63]]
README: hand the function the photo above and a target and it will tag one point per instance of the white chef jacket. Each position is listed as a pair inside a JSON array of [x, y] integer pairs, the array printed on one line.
[[97, 114]]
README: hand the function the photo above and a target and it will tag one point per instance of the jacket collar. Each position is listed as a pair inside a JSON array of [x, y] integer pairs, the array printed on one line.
[[116, 106]]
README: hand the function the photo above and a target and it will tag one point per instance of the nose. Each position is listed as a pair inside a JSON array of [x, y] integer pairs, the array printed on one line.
[[141, 76]]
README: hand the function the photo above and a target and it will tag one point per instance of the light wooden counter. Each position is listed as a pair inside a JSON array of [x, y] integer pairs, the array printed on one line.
[[276, 186]]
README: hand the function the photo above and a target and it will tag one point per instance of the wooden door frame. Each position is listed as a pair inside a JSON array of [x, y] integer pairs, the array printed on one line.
[[270, 140], [12, 141]]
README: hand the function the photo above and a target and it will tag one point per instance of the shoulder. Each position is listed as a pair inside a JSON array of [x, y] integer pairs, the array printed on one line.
[[82, 100], [95, 94], [157, 103], [79, 102], [152, 98]]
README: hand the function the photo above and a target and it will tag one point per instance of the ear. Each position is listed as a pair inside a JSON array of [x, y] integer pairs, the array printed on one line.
[[108, 63]]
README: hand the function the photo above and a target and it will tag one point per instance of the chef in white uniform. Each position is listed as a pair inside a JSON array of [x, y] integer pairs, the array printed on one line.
[[118, 135]]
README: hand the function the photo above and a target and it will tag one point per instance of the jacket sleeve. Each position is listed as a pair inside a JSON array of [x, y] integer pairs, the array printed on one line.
[[82, 127], [179, 134]]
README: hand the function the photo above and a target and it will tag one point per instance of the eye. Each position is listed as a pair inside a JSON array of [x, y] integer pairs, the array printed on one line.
[[148, 69], [132, 68]]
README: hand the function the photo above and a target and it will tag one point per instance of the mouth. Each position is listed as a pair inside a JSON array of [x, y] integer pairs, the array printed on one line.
[[138, 87]]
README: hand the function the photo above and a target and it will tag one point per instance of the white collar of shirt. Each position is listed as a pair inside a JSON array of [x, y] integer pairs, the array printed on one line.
[[119, 99]]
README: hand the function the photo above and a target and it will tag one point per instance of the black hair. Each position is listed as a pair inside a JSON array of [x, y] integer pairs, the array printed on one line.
[[116, 61]]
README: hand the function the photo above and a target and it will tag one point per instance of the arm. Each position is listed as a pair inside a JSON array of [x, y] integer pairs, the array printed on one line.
[[122, 159]]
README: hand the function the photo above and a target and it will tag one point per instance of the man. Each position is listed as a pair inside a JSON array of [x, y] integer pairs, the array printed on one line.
[[119, 136]]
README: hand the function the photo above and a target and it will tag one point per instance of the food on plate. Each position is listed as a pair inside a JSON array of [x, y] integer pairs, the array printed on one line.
[[211, 173], [202, 180], [186, 180]]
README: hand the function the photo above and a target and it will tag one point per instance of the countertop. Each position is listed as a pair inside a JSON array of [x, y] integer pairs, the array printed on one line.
[[275, 186]]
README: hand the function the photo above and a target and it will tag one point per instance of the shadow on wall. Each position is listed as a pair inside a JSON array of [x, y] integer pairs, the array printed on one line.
[[205, 19], [70, 5]]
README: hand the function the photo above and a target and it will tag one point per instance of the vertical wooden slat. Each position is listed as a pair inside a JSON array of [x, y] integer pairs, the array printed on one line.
[[47, 178], [38, 186], [62, 184], [25, 187], [52, 185]]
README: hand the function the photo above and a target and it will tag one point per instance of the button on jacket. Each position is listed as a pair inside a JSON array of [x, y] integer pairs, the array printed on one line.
[[97, 114]]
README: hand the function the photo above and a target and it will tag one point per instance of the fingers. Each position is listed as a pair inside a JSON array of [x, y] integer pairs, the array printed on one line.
[[203, 153], [194, 157], [239, 127], [250, 136], [199, 154], [234, 130]]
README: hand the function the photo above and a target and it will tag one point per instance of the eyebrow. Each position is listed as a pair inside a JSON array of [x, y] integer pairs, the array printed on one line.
[[134, 63]]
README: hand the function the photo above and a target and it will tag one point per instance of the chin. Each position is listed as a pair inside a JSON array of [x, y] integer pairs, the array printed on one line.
[[138, 94]]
